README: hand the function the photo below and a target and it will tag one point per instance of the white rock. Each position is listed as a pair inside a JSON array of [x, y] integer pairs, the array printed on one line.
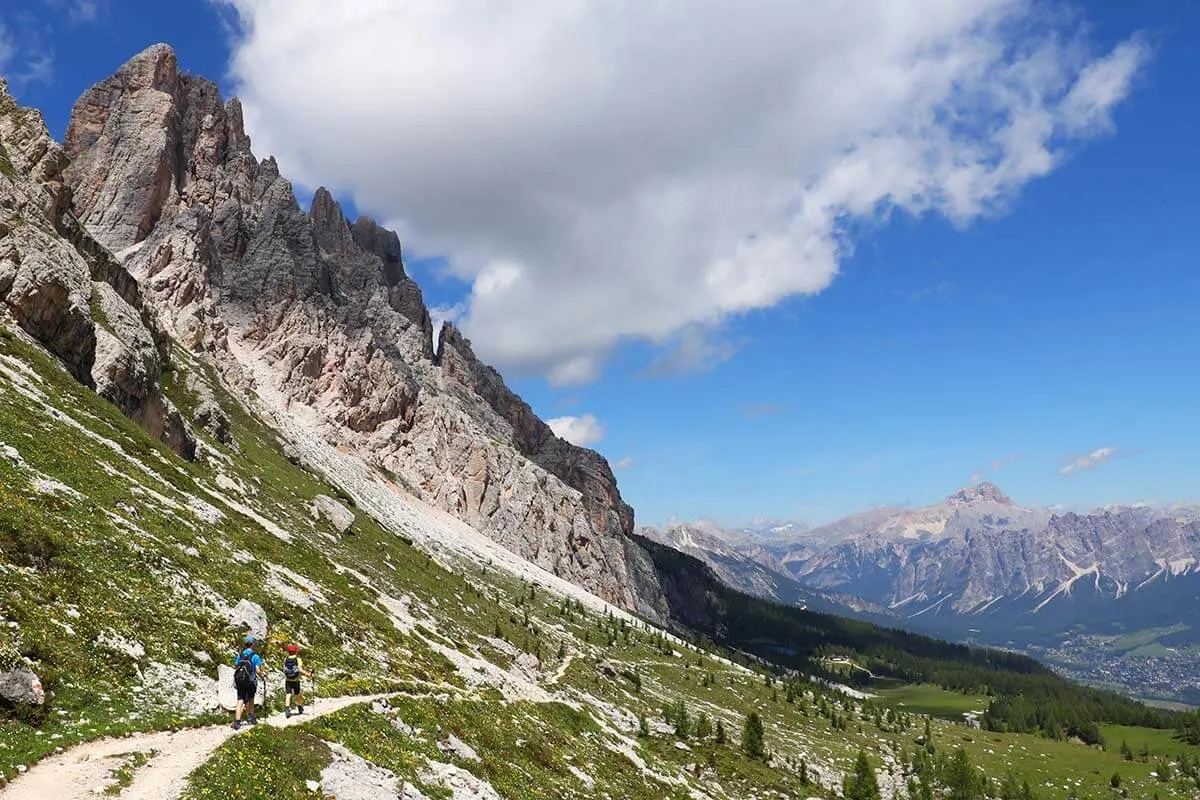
[[336, 514], [249, 617], [457, 747], [350, 777]]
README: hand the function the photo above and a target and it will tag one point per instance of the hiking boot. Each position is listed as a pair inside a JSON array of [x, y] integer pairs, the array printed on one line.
[[253, 720], [300, 710], [287, 712], [237, 724]]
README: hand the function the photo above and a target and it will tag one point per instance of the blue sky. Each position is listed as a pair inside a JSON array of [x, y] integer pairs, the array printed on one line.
[[1005, 347]]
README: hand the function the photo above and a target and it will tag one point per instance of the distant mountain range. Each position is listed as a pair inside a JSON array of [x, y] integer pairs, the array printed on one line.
[[974, 566]]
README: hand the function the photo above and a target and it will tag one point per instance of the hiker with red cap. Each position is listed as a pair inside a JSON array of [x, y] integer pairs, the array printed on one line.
[[293, 671]]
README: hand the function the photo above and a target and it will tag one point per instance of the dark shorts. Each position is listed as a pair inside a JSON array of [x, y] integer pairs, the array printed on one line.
[[291, 687], [247, 695]]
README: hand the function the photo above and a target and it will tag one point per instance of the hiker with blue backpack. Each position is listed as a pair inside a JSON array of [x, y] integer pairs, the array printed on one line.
[[247, 668], [293, 671]]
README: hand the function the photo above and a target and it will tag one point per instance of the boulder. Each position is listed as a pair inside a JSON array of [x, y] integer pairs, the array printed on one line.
[[453, 746], [249, 617], [326, 508], [21, 685], [226, 694]]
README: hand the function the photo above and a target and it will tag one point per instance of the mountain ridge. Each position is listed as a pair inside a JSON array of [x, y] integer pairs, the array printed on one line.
[[979, 560], [317, 316]]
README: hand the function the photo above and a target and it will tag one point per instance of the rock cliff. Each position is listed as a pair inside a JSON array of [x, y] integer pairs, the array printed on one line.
[[316, 314], [66, 291]]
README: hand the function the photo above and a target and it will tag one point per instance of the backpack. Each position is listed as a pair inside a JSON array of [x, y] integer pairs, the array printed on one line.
[[243, 674], [291, 668]]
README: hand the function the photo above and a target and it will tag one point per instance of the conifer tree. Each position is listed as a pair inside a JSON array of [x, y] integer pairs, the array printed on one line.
[[962, 779], [861, 783], [720, 735], [752, 736]]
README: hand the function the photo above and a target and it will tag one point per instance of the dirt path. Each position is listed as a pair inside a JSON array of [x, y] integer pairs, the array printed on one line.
[[82, 773], [562, 670]]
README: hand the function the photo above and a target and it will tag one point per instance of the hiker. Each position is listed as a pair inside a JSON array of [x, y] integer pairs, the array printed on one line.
[[247, 668], [293, 671]]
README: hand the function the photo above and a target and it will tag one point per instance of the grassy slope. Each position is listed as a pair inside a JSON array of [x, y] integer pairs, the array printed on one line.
[[117, 560]]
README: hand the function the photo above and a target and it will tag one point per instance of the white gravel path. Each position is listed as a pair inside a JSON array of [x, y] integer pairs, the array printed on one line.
[[82, 773]]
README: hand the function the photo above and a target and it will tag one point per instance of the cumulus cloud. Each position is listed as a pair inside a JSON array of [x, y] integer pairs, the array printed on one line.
[[583, 430], [604, 172], [1092, 459]]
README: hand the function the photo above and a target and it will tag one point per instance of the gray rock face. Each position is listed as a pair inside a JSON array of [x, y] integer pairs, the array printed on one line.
[[317, 315], [67, 291], [21, 685]]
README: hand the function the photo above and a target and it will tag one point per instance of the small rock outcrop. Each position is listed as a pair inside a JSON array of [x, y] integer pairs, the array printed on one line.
[[317, 315], [66, 291]]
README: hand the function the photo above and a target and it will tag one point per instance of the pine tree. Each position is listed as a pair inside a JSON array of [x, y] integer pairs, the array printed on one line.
[[1126, 751], [752, 736], [703, 726], [562, 650], [861, 783], [643, 727], [720, 736], [680, 714], [803, 772], [1115, 780], [961, 777]]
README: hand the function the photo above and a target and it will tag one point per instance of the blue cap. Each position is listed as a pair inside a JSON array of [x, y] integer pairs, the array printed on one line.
[[250, 639]]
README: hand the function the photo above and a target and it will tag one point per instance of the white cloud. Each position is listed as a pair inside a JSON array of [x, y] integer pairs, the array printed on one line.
[[624, 463], [77, 10], [7, 48], [584, 430], [1092, 459], [85, 10], [610, 171]]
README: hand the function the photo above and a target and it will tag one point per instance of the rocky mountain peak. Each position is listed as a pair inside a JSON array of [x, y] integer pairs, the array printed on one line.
[[317, 316], [980, 492], [65, 290]]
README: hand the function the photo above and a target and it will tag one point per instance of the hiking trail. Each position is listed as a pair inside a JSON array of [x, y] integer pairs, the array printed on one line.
[[82, 772]]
